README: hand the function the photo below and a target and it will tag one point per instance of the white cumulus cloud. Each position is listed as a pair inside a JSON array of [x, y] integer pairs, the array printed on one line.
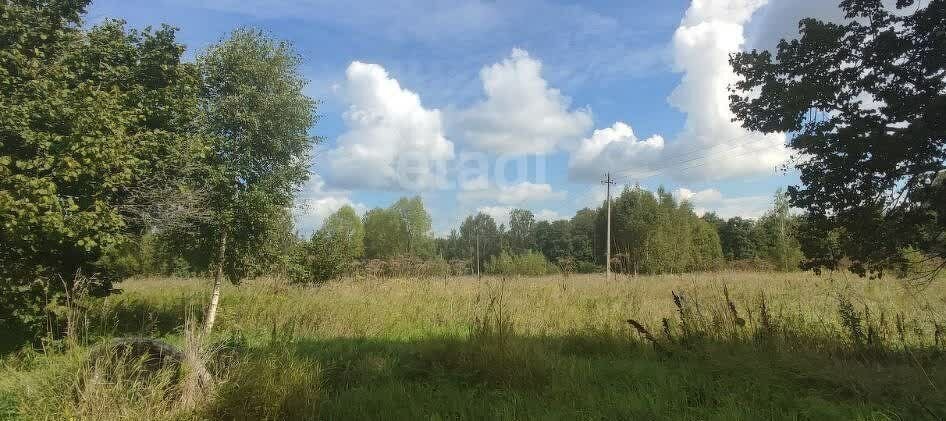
[[315, 203], [710, 31], [548, 215], [614, 147], [701, 196], [521, 113], [392, 141], [500, 214], [711, 145]]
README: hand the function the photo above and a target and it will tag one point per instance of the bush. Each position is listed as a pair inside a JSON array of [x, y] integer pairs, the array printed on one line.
[[318, 260], [123, 260], [530, 263], [587, 267]]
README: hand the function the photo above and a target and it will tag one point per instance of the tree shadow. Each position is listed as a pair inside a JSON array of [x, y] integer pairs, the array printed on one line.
[[608, 376], [126, 316], [133, 315]]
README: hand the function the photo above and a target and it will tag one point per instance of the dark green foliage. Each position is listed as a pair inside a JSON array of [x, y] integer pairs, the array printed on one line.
[[851, 320], [774, 236], [451, 247], [331, 252], [735, 236], [384, 233], [530, 263], [769, 242], [415, 222], [346, 226], [401, 229], [133, 257], [651, 233], [872, 175], [522, 230], [706, 253], [118, 158], [553, 239], [582, 227], [587, 267], [258, 118], [484, 227], [94, 121], [262, 237]]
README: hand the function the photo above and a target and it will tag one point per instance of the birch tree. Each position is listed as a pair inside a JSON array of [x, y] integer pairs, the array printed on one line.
[[258, 119]]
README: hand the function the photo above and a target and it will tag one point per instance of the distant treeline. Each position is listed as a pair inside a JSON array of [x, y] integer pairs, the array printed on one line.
[[652, 233]]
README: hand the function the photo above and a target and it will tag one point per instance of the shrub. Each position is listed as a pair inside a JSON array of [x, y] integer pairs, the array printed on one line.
[[318, 260], [530, 263], [587, 267]]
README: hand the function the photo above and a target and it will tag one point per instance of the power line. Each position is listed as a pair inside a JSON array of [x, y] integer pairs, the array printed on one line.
[[708, 153], [626, 173], [701, 153]]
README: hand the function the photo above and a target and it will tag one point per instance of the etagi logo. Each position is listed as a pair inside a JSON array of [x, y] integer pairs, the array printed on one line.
[[470, 170]]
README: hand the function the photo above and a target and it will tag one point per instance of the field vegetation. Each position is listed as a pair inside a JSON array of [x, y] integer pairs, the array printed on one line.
[[728, 345]]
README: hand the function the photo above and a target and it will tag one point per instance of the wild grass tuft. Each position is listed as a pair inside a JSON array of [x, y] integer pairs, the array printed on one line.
[[274, 382], [646, 334]]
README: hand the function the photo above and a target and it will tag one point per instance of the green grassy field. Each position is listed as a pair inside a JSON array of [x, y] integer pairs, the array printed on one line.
[[781, 346]]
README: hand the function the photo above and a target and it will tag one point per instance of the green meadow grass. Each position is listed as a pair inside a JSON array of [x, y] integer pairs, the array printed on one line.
[[820, 347]]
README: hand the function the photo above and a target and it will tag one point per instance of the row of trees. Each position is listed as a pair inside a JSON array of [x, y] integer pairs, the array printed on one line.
[[555, 240], [651, 233], [403, 229], [773, 238]]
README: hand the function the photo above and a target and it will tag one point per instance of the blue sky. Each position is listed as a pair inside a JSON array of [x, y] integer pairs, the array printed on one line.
[[431, 97]]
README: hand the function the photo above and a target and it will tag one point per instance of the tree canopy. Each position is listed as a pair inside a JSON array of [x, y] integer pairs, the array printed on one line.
[[345, 226], [93, 123], [652, 233], [257, 117], [401, 229], [864, 101]]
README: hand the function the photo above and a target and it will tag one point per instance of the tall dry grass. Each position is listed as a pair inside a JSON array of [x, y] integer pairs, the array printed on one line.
[[403, 308], [357, 348]]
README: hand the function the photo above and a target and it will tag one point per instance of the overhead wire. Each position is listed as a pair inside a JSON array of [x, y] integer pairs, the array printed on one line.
[[628, 173]]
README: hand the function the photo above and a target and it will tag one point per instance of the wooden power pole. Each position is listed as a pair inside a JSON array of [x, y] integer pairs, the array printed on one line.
[[607, 257], [476, 229]]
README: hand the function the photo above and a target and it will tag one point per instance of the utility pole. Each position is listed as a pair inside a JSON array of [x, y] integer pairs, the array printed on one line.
[[607, 258], [407, 226], [476, 229]]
